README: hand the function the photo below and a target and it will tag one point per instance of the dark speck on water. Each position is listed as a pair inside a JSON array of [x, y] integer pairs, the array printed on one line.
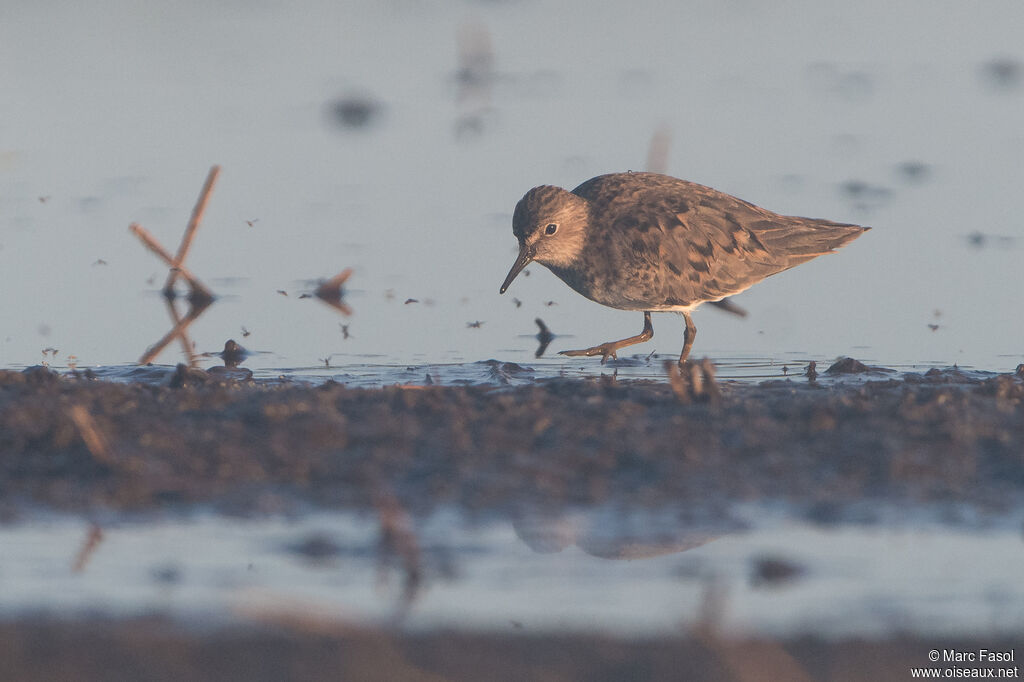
[[770, 571], [166, 575], [355, 110], [544, 337], [316, 547], [980, 240], [1004, 72], [865, 195], [914, 171]]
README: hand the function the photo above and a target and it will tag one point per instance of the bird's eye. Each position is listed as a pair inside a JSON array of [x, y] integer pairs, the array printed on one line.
[[550, 229]]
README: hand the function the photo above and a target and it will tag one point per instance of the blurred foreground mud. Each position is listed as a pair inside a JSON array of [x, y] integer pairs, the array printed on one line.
[[154, 649]]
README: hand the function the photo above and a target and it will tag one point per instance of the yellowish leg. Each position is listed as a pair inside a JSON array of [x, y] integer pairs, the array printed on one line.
[[608, 349]]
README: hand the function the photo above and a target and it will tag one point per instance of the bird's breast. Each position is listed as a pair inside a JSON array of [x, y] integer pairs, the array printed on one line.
[[624, 285]]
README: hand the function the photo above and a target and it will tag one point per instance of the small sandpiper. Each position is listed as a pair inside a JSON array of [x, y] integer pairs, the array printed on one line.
[[654, 243]]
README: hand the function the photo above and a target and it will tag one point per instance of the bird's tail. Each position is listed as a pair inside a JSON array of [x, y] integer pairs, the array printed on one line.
[[801, 239]]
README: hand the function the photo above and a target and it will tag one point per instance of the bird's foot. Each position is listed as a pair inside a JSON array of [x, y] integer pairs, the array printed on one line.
[[605, 350]]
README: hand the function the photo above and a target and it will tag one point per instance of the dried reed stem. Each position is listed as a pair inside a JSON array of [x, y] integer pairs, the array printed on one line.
[[153, 245], [193, 225], [178, 330], [95, 441], [92, 541]]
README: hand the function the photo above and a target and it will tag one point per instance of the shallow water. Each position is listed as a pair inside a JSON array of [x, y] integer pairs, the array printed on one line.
[[396, 137], [363, 372], [627, 573]]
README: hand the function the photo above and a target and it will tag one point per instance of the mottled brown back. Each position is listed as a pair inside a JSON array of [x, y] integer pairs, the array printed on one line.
[[668, 242]]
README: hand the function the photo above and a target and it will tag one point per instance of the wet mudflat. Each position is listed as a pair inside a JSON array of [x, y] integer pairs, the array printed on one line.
[[623, 526], [77, 443]]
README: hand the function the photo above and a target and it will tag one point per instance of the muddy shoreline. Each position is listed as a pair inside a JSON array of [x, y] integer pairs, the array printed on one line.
[[156, 649], [689, 444], [75, 443]]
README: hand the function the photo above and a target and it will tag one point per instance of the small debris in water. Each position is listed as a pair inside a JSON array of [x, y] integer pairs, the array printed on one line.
[[166, 575], [233, 354], [980, 240], [657, 151], [544, 336], [411, 300], [355, 110], [1004, 72], [864, 195], [188, 377], [774, 571], [332, 291], [847, 366], [474, 76], [728, 306], [316, 547], [517, 302], [92, 540], [914, 171], [282, 292]]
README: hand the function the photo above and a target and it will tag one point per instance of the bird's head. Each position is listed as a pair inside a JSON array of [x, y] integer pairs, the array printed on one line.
[[550, 224]]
